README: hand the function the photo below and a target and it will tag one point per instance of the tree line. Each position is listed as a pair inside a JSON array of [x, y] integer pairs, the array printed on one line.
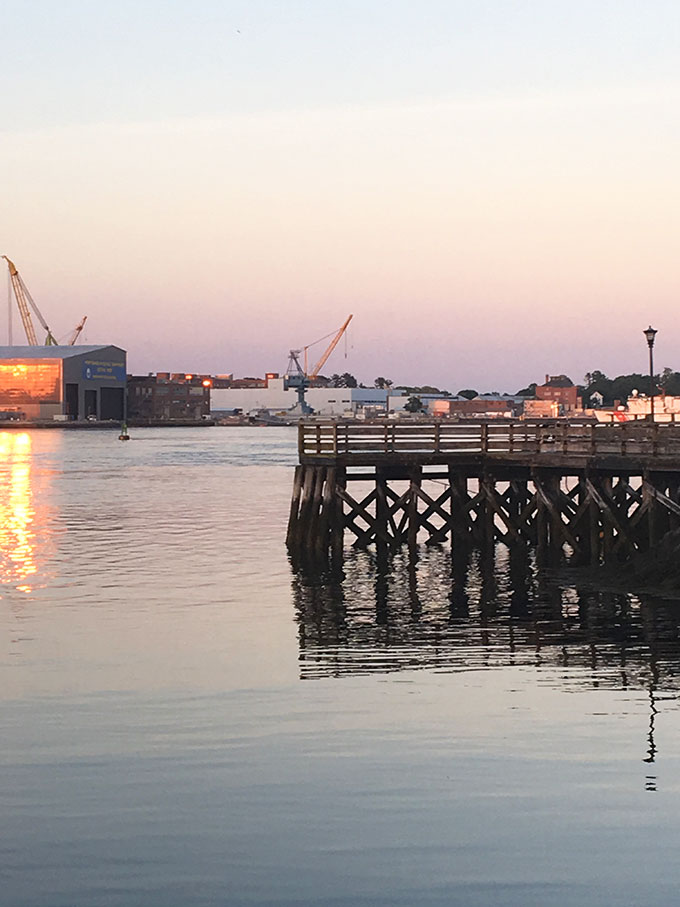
[[612, 389]]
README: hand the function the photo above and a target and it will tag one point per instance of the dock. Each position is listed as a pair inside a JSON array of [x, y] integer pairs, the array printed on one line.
[[591, 492]]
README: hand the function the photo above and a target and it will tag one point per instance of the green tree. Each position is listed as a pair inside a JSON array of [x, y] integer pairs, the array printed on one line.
[[383, 383], [670, 382], [596, 377], [528, 391], [468, 393], [424, 389], [344, 380], [414, 405]]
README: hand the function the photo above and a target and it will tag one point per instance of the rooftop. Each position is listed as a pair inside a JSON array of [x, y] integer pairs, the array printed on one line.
[[49, 352]]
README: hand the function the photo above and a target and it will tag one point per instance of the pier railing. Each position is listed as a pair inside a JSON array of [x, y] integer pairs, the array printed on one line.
[[350, 439]]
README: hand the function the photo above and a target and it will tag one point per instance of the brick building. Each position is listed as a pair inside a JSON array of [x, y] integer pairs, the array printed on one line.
[[167, 397], [561, 390]]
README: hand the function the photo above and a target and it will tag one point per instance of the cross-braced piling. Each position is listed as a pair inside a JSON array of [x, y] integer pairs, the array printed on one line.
[[594, 492]]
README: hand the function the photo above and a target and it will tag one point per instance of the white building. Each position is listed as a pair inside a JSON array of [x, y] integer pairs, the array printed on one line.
[[276, 398]]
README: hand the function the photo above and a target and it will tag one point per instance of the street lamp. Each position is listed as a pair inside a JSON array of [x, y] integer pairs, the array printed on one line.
[[650, 334]]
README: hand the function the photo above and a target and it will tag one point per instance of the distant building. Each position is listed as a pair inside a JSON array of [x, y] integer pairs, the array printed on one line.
[[63, 382], [273, 395], [561, 390], [167, 397], [482, 406], [541, 409]]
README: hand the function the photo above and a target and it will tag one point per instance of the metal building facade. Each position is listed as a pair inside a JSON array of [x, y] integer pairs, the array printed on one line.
[[63, 382]]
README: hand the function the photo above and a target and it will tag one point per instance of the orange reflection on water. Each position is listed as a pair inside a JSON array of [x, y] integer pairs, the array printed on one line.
[[17, 514]]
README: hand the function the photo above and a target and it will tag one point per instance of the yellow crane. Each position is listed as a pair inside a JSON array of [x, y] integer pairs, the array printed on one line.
[[329, 349], [24, 300], [300, 377], [77, 331]]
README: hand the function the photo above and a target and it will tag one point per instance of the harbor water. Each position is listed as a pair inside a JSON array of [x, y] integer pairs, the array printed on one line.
[[188, 722]]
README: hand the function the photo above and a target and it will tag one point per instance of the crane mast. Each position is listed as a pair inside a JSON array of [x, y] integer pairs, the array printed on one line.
[[24, 299]]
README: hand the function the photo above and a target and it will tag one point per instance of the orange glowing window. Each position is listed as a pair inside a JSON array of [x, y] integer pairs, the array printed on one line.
[[30, 381]]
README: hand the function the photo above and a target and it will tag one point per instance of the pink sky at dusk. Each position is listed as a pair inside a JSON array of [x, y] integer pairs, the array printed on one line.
[[482, 237]]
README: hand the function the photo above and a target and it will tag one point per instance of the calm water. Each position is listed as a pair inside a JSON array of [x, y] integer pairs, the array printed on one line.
[[187, 723]]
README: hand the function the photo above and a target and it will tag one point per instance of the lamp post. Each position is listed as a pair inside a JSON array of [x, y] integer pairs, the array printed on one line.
[[650, 334]]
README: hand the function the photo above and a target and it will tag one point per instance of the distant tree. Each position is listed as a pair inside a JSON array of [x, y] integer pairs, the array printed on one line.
[[383, 383], [670, 382], [595, 377], [344, 380], [414, 405], [468, 393], [621, 387], [424, 389], [528, 391]]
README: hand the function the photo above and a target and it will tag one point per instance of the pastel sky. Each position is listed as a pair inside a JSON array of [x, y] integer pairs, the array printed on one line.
[[491, 188]]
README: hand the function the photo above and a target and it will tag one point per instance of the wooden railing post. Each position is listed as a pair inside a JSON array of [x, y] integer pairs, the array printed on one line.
[[437, 433], [318, 438], [335, 438], [484, 440], [301, 438]]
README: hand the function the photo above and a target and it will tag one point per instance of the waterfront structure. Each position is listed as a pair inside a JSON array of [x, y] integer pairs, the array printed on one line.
[[276, 396], [601, 492], [63, 383], [169, 397]]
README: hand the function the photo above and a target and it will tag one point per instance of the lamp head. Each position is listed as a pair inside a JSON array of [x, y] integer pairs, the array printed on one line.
[[650, 334]]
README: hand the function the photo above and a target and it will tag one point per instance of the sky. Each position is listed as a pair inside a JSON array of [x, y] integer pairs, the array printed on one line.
[[491, 188]]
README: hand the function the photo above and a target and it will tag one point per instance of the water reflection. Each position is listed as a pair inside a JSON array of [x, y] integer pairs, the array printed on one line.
[[476, 610], [19, 530]]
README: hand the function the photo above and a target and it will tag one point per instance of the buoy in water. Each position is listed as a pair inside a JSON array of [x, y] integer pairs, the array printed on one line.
[[123, 436]]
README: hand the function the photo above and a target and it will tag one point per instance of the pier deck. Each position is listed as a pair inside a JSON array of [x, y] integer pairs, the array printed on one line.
[[591, 491]]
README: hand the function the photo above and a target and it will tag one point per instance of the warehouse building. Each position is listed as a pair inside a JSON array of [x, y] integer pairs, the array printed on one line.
[[62, 383]]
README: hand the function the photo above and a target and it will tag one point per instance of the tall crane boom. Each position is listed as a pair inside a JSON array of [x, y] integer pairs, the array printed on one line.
[[331, 346], [76, 331], [24, 299]]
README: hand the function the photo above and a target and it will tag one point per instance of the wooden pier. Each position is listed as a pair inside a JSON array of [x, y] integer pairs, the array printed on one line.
[[590, 492]]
